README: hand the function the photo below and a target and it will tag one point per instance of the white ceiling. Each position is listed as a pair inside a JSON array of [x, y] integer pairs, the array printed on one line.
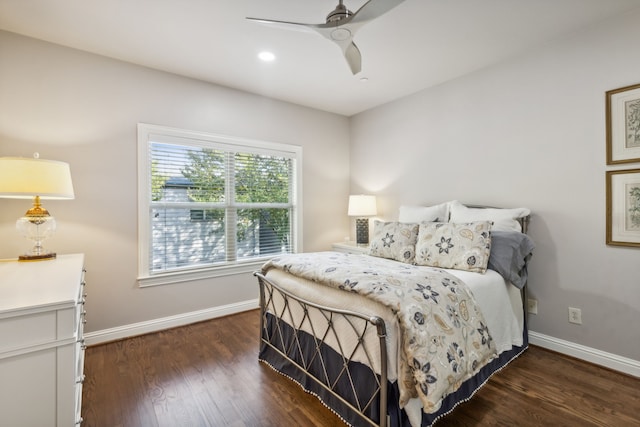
[[418, 44]]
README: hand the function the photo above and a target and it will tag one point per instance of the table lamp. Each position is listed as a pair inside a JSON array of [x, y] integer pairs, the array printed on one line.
[[362, 206], [23, 178]]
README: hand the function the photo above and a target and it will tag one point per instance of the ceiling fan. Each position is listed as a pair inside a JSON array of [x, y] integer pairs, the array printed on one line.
[[341, 25]]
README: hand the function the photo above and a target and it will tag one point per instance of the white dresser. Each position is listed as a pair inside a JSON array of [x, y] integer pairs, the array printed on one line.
[[41, 343]]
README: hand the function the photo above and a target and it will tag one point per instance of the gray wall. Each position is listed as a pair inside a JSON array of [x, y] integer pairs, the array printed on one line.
[[83, 109], [529, 132]]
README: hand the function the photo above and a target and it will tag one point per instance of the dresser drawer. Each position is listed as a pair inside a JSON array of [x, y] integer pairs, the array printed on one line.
[[28, 330], [28, 389], [38, 326]]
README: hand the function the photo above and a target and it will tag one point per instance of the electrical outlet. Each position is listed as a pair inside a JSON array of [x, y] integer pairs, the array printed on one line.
[[532, 306], [575, 316]]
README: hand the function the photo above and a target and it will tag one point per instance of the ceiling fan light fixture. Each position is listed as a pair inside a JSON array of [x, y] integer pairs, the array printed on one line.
[[340, 34]]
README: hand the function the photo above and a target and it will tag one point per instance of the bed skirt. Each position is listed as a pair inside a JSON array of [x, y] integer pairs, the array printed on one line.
[[277, 337]]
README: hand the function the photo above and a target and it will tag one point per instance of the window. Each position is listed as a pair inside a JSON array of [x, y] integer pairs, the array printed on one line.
[[212, 205]]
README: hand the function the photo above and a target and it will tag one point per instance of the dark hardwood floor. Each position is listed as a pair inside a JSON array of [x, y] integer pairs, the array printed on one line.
[[207, 374]]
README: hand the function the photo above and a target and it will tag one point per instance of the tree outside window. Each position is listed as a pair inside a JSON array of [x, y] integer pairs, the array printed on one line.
[[218, 205]]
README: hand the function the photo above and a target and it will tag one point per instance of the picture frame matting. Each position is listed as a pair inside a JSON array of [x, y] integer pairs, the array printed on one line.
[[623, 125], [623, 207]]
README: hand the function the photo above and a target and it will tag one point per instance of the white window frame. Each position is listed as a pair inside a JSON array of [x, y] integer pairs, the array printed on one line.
[[148, 133]]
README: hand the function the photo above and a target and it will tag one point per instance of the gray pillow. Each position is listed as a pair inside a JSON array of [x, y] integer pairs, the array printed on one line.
[[510, 253]]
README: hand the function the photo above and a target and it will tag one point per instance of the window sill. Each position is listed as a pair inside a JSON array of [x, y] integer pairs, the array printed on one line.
[[199, 274]]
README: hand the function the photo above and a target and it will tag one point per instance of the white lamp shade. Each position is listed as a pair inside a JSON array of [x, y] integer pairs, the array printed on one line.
[[362, 205], [22, 178]]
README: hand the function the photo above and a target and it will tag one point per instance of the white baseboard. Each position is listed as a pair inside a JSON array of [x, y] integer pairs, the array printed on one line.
[[126, 331], [598, 357]]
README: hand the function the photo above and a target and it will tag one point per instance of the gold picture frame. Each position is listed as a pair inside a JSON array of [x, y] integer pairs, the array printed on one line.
[[623, 125], [623, 207]]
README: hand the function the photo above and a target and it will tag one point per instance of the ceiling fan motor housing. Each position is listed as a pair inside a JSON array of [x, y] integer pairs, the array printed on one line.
[[339, 13]]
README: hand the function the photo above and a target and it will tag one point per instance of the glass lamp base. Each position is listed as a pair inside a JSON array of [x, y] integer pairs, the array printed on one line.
[[36, 229]]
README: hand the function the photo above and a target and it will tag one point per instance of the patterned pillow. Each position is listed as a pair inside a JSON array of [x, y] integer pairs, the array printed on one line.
[[460, 246], [394, 240]]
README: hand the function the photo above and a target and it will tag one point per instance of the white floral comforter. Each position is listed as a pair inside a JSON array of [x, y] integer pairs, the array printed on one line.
[[445, 339]]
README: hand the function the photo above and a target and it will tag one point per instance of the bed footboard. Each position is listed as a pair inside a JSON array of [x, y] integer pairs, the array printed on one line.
[[301, 338]]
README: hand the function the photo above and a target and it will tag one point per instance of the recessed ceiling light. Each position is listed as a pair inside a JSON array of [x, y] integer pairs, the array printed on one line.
[[266, 56]]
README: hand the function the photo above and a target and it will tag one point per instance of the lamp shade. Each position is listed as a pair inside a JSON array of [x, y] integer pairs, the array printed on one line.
[[362, 205], [22, 178]]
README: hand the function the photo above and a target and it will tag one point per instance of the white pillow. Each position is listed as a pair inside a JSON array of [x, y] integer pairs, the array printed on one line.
[[503, 219], [418, 214]]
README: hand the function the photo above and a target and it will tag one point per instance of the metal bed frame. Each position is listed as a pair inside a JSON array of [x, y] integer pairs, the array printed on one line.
[[281, 303], [360, 325]]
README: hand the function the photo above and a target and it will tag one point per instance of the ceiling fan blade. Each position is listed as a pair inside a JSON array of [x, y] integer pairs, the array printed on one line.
[[353, 57], [343, 37], [337, 34], [284, 24], [373, 9]]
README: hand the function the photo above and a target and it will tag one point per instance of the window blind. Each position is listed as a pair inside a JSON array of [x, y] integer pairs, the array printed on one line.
[[211, 203]]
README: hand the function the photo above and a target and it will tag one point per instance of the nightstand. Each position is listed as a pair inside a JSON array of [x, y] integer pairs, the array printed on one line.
[[350, 248]]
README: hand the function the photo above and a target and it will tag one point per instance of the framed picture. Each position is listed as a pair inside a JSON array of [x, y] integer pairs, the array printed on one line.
[[623, 125], [623, 207]]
